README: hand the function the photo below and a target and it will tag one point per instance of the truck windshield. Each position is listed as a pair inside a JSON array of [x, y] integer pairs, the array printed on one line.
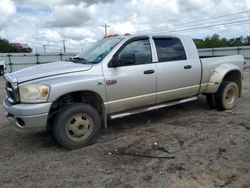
[[97, 51]]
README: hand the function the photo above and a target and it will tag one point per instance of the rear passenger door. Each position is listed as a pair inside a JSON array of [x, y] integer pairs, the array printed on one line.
[[174, 70]]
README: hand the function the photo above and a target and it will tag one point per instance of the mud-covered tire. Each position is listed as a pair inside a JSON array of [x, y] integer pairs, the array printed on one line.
[[227, 95], [210, 98], [76, 126]]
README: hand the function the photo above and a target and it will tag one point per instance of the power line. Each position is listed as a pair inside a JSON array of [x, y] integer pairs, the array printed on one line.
[[205, 27], [191, 24], [195, 25], [196, 21], [229, 25]]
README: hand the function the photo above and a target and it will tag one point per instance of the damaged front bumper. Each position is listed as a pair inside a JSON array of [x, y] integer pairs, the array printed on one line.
[[27, 117]]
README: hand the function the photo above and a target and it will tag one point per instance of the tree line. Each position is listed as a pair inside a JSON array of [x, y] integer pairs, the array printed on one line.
[[215, 41], [6, 47]]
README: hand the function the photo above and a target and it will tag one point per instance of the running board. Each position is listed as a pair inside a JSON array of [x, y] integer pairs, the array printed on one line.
[[146, 109]]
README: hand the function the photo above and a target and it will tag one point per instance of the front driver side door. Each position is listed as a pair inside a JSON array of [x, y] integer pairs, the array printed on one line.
[[131, 86]]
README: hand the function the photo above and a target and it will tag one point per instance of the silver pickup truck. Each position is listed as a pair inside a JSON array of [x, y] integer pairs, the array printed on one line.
[[116, 77]]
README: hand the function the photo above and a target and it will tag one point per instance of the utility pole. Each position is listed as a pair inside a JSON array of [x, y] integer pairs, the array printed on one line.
[[64, 48], [44, 48], [105, 29]]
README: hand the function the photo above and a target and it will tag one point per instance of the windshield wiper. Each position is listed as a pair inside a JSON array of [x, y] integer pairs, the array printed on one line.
[[78, 60]]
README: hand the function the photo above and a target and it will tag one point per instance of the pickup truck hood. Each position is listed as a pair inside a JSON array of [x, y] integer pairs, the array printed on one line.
[[49, 69]]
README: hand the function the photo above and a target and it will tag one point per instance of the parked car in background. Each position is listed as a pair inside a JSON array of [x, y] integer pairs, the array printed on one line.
[[2, 67], [116, 77]]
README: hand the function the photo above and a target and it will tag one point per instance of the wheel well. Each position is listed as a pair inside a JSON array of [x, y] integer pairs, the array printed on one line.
[[87, 97], [234, 76]]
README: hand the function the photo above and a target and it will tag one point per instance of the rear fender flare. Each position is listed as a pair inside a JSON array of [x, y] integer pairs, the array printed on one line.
[[218, 76]]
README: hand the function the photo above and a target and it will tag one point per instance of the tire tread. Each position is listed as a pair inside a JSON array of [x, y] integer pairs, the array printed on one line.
[[58, 126]]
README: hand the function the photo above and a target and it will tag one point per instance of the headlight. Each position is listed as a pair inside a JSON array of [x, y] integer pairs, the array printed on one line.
[[34, 93]]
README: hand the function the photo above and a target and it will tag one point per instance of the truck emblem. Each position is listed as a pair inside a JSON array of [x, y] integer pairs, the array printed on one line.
[[111, 82]]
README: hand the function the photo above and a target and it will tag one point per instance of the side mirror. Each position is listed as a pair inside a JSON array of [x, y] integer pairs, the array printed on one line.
[[122, 60]]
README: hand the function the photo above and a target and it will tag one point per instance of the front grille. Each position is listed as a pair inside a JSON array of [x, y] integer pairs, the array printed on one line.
[[11, 89], [10, 92]]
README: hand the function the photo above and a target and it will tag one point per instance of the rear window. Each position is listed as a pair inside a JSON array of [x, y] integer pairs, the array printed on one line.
[[169, 49]]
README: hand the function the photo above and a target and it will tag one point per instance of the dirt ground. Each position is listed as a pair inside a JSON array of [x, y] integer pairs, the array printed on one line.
[[209, 148]]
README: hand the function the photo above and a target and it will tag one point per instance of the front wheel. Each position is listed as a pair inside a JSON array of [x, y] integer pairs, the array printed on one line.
[[227, 95], [76, 126]]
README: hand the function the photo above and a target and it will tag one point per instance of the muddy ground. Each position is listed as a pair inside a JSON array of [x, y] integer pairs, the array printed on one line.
[[209, 148]]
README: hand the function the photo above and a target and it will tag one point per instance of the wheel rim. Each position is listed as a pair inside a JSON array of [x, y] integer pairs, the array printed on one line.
[[231, 95], [79, 127]]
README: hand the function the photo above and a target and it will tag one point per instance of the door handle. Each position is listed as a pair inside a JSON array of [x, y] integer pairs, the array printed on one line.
[[149, 71], [188, 67]]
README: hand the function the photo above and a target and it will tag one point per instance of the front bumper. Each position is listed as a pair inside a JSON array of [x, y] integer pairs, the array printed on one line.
[[27, 117]]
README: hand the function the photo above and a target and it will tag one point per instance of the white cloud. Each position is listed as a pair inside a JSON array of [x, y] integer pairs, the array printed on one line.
[[36, 3], [51, 21], [71, 15], [122, 28], [50, 3], [2, 34], [88, 2], [47, 35], [77, 33], [7, 9]]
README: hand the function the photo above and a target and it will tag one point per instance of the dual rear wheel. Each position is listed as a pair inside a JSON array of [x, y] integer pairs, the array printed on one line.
[[226, 96]]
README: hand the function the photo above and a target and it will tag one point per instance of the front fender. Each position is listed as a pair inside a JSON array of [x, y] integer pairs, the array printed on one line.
[[218, 75]]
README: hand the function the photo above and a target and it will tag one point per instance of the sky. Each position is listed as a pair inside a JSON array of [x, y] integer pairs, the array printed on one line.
[[49, 22]]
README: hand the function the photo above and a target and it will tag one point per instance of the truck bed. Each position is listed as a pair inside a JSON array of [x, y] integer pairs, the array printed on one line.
[[209, 64]]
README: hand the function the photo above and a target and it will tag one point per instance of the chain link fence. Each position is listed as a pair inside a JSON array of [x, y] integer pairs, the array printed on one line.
[[17, 61], [243, 50]]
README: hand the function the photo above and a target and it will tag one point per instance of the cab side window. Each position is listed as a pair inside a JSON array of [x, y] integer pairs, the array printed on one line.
[[169, 49], [140, 50]]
